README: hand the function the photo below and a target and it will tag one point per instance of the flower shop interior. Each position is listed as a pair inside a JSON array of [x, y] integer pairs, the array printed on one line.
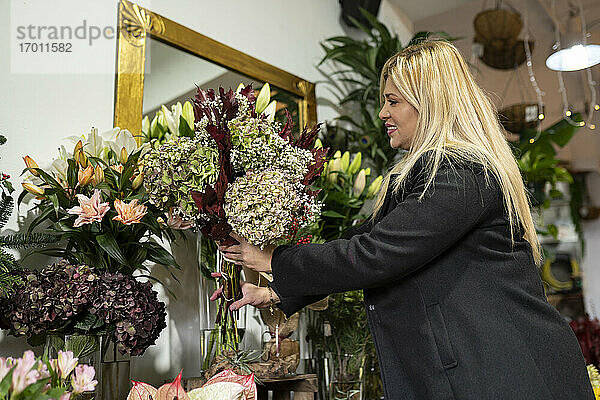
[[126, 287]]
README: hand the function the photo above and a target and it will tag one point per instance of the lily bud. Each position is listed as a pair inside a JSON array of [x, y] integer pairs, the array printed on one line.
[[117, 168], [240, 87], [146, 125], [270, 111], [84, 176], [31, 165], [374, 187], [337, 154], [334, 166], [33, 189], [79, 155], [137, 182], [359, 183], [325, 166], [123, 156], [264, 96], [345, 161], [98, 175], [154, 132], [355, 165], [188, 114], [368, 171], [318, 144]]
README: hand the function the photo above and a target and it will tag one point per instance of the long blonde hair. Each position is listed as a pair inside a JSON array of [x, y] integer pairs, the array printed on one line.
[[456, 118]]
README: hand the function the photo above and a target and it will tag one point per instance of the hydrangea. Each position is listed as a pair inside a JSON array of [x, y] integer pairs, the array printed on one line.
[[266, 206], [178, 166], [62, 297]]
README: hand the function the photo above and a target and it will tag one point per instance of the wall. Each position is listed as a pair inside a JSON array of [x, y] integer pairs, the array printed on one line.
[[41, 109], [583, 152]]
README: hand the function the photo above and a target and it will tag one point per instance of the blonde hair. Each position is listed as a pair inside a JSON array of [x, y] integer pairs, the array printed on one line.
[[457, 119]]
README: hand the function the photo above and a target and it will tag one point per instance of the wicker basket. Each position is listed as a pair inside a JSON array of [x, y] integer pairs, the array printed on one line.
[[508, 57], [516, 117], [497, 28]]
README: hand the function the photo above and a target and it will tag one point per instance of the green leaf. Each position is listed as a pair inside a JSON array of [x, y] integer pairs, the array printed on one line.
[[332, 214], [83, 345], [39, 219], [72, 173], [159, 255], [108, 243], [54, 199], [6, 382]]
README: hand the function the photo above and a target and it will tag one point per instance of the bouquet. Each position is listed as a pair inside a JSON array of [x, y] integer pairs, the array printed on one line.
[[64, 299], [240, 171], [28, 378], [94, 201]]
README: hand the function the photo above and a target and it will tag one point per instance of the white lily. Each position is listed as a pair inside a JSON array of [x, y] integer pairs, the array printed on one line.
[[269, 112], [94, 145], [123, 140], [146, 125], [172, 124], [264, 96], [188, 114]]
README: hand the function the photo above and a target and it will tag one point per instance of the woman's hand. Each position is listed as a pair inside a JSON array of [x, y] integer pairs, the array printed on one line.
[[248, 255], [251, 294]]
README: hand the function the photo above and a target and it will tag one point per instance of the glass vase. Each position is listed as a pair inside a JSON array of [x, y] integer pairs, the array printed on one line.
[[112, 368]]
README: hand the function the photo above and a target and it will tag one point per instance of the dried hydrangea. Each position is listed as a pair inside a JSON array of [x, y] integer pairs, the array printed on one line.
[[61, 297], [178, 166], [266, 206], [256, 144]]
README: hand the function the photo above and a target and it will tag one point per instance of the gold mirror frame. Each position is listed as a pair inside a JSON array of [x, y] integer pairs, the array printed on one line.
[[136, 23]]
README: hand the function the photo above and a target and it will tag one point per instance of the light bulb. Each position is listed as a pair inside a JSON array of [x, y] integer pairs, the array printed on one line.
[[592, 126], [582, 123], [568, 113], [597, 107], [541, 116], [531, 140]]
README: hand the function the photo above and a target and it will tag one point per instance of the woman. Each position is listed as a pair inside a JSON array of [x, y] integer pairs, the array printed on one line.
[[448, 261]]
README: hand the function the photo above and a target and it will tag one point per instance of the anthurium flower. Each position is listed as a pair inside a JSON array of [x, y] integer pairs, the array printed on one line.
[[142, 391], [84, 176], [269, 112], [31, 165], [173, 390], [129, 213], [90, 209], [83, 379], [65, 363]]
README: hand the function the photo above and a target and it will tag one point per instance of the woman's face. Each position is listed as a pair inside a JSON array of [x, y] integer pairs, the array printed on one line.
[[399, 116]]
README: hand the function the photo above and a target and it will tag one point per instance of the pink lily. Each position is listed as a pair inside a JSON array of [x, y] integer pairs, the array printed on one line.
[[83, 379], [129, 213], [90, 209]]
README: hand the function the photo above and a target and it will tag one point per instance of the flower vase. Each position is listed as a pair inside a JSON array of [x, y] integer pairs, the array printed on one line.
[[112, 369], [222, 330], [345, 384]]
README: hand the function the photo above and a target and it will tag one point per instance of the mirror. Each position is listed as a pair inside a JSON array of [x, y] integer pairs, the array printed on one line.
[[160, 62]]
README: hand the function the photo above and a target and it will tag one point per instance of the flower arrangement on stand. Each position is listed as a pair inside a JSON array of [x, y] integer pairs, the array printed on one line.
[[249, 174], [62, 378]]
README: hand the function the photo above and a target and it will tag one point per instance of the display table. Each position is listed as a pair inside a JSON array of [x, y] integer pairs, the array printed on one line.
[[304, 387]]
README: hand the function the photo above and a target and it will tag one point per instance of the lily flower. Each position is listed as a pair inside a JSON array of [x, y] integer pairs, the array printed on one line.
[[137, 181], [94, 145], [79, 155], [374, 187], [171, 120], [98, 175], [33, 189], [123, 140], [84, 176], [31, 165], [23, 375], [66, 363], [129, 213], [83, 379], [90, 209], [359, 183], [117, 168]]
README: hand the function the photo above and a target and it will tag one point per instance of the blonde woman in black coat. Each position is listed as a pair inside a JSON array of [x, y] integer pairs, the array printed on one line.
[[448, 261]]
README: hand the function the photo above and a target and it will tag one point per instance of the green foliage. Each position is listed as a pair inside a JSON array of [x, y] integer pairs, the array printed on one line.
[[356, 82]]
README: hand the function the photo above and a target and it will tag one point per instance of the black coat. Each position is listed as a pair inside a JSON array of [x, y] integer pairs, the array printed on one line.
[[456, 310]]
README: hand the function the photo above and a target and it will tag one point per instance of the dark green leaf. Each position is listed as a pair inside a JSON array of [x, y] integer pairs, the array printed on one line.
[[108, 243], [184, 128]]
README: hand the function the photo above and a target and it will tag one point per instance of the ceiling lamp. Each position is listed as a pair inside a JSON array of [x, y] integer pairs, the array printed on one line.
[[578, 56]]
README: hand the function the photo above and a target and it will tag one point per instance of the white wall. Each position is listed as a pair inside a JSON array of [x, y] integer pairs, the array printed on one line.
[[40, 109]]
